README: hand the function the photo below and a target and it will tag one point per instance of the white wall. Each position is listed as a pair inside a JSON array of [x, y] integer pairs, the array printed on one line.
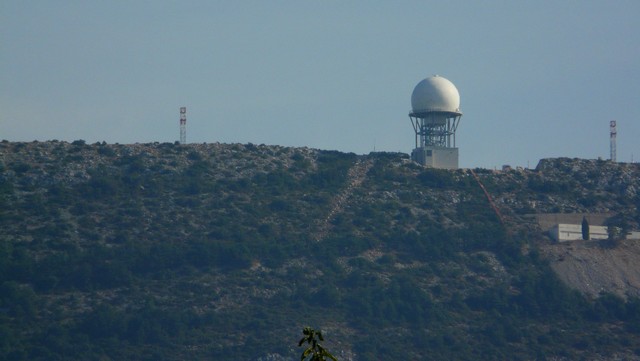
[[573, 232], [436, 157]]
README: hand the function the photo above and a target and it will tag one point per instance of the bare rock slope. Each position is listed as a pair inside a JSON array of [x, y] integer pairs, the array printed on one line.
[[593, 268]]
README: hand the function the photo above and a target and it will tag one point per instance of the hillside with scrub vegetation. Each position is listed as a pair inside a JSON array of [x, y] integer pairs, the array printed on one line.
[[218, 251]]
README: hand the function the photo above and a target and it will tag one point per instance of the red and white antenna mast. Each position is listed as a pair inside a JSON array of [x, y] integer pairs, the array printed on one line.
[[183, 125], [612, 139]]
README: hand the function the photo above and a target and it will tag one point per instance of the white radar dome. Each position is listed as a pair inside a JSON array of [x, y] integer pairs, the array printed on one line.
[[435, 94]]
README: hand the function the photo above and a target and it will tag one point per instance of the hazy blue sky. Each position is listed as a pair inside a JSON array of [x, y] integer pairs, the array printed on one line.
[[537, 79]]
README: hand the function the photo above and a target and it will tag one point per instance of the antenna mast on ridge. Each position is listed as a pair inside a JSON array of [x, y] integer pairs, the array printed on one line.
[[612, 140], [183, 125]]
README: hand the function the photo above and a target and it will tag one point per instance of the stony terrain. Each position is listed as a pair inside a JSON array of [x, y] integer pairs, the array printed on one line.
[[594, 268], [222, 250], [569, 189]]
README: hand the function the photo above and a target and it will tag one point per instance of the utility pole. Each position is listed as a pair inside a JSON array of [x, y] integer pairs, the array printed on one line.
[[183, 125], [612, 140]]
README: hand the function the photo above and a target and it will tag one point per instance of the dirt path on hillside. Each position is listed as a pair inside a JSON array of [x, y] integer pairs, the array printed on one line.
[[355, 177]]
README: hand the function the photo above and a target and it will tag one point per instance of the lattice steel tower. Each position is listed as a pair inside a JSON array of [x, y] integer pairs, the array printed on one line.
[[183, 125], [612, 140]]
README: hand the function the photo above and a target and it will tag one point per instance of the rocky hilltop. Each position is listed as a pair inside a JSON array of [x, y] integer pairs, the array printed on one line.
[[226, 251], [565, 190]]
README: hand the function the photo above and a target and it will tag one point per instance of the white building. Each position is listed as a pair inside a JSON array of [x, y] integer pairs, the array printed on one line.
[[633, 235], [573, 232], [436, 157]]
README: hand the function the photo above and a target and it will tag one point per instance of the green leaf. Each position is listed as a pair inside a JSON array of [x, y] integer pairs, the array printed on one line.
[[330, 356], [306, 353], [319, 353]]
